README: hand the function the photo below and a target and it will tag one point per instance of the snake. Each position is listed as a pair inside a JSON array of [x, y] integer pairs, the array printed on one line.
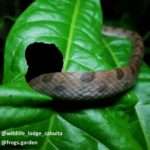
[[94, 85]]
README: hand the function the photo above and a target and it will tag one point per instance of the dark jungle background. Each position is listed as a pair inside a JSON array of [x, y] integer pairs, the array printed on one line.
[[133, 14]]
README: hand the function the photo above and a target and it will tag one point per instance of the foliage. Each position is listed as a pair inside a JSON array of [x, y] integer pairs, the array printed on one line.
[[75, 28]]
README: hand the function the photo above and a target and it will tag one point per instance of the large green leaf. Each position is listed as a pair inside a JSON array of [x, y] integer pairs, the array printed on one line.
[[74, 26], [143, 107]]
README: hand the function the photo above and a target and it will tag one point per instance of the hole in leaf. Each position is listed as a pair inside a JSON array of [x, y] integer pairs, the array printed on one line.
[[42, 58]]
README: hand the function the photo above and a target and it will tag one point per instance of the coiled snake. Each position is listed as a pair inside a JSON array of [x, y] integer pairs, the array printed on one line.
[[94, 85]]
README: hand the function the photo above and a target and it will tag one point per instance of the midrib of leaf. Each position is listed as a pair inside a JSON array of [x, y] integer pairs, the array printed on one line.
[[70, 36], [47, 140]]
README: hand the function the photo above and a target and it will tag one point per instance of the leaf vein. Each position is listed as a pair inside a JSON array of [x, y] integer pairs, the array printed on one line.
[[71, 32]]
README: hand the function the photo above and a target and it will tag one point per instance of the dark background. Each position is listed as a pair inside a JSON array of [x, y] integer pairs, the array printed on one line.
[[133, 14]]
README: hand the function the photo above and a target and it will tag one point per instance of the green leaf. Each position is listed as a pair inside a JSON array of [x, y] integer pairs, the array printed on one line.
[[143, 107], [143, 112], [42, 22], [74, 26]]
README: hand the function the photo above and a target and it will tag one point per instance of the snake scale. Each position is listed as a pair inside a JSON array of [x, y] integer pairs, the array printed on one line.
[[94, 85]]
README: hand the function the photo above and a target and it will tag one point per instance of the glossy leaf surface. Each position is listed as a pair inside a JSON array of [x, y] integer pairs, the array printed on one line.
[[74, 26]]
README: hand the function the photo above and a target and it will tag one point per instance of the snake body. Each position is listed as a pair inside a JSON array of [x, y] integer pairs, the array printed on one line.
[[94, 85]]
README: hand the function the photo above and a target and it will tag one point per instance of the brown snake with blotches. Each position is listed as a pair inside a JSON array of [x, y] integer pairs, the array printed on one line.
[[94, 85]]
